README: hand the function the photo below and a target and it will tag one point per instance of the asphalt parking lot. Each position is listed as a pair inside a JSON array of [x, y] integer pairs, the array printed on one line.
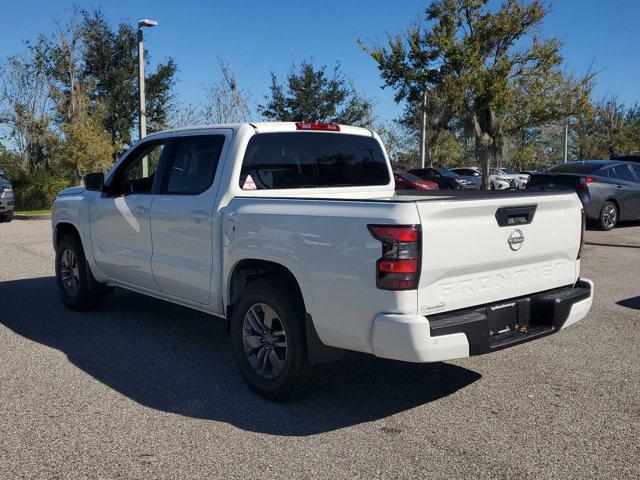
[[145, 389]]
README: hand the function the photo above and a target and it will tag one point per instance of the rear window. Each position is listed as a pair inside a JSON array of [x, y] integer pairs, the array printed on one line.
[[410, 176], [312, 160], [581, 168], [448, 173]]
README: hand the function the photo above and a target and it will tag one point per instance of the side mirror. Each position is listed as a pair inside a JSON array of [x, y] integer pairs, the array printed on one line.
[[93, 181], [1, 171]]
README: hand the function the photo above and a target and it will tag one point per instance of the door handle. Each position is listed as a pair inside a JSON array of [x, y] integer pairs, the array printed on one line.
[[199, 215], [141, 210], [618, 185]]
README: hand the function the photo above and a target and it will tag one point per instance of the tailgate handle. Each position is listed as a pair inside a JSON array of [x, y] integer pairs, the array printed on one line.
[[510, 216]]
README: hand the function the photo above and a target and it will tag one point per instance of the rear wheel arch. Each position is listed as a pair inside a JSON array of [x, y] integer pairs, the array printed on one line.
[[250, 270]]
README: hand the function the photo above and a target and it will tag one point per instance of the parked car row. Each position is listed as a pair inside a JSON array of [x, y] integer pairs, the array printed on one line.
[[608, 189], [463, 178]]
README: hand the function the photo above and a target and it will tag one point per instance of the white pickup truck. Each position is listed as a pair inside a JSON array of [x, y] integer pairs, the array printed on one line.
[[293, 232]]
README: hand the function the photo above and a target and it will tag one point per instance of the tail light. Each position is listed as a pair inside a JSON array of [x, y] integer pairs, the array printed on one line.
[[325, 127], [583, 227], [585, 181], [399, 266], [427, 186]]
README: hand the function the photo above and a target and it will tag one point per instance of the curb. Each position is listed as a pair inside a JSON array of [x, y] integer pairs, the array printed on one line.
[[37, 216]]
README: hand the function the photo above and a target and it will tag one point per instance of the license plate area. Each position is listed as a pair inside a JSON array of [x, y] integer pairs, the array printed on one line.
[[502, 318]]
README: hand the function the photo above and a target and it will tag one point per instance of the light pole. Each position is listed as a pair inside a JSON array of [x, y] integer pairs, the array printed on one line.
[[142, 112]]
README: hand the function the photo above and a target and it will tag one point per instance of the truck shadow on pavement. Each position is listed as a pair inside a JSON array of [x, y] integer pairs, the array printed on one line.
[[177, 360], [633, 302]]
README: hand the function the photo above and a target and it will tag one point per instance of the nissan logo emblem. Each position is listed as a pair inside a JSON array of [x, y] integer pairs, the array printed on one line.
[[516, 239]]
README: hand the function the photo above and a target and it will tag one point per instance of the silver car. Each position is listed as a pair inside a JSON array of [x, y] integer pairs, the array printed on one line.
[[6, 199]]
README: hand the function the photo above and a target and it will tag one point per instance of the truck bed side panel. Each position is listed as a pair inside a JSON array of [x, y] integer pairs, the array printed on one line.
[[328, 248]]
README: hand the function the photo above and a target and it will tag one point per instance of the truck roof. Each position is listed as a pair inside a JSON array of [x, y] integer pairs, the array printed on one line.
[[262, 127]]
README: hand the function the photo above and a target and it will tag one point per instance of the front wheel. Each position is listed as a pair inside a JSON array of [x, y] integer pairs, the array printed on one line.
[[7, 217], [268, 340], [608, 216], [77, 287]]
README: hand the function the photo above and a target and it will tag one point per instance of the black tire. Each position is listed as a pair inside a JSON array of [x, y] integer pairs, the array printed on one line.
[[7, 217], [297, 376], [609, 215], [88, 293]]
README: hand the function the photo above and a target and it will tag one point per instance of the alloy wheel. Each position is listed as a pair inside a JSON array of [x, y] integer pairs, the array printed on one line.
[[69, 273], [264, 340], [609, 216]]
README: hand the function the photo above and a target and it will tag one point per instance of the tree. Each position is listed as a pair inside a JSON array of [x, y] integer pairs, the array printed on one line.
[[316, 95], [409, 71], [110, 64], [478, 59], [226, 101], [611, 129], [24, 109], [59, 58], [86, 147]]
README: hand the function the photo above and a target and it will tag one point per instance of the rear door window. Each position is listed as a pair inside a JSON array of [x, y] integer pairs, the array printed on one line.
[[623, 172], [193, 166], [636, 169], [312, 160]]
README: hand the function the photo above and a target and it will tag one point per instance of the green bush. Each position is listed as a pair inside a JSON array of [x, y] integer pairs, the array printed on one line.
[[36, 191]]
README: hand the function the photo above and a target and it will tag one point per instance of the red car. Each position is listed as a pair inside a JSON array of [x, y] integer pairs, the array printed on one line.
[[408, 181]]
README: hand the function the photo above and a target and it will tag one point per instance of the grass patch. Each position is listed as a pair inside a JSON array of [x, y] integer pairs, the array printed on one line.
[[33, 212]]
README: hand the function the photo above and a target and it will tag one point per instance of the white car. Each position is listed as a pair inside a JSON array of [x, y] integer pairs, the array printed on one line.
[[293, 234], [510, 174], [497, 182]]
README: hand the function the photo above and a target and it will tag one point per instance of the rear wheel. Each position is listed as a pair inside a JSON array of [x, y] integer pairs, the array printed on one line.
[[608, 216], [269, 342], [77, 287], [7, 217]]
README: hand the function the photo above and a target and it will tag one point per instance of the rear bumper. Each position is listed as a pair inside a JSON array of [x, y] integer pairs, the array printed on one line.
[[413, 338]]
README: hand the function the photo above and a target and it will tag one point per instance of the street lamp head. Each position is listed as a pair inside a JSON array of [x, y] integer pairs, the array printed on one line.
[[145, 22]]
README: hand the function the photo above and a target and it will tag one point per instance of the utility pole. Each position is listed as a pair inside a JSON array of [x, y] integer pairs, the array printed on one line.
[[566, 141], [423, 131], [142, 111]]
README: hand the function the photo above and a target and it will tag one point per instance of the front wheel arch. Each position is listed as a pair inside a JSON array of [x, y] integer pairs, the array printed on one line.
[[65, 228]]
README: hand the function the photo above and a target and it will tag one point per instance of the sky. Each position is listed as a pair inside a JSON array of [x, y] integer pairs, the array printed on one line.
[[257, 37]]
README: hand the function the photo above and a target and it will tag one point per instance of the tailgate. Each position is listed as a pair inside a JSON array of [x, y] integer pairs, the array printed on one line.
[[468, 259]]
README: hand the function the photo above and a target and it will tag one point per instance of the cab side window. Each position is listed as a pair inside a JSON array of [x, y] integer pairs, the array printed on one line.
[[137, 175], [193, 166]]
